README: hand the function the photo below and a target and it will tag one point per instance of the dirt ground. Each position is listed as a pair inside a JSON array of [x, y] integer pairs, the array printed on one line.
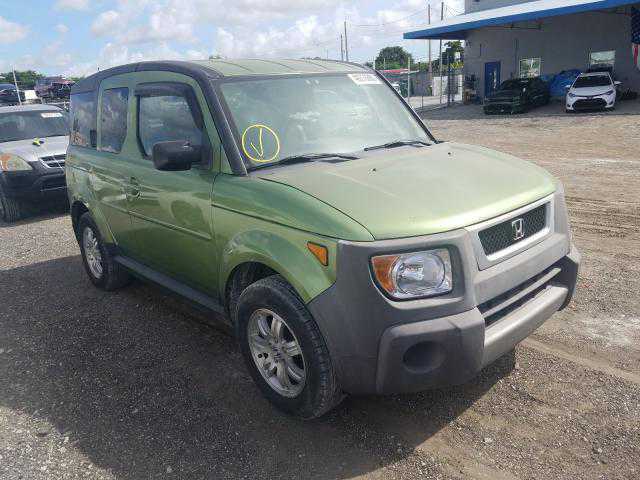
[[137, 384]]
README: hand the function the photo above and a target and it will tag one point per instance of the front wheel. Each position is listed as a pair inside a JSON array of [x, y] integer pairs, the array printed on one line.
[[284, 349], [104, 272], [10, 208]]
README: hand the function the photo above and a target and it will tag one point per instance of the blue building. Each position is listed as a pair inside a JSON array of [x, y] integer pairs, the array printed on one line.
[[514, 38]]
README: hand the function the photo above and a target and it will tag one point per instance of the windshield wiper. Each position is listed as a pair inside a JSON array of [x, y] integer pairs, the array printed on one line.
[[398, 143], [307, 157]]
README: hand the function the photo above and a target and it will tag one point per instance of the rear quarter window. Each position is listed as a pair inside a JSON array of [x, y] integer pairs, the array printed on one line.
[[113, 119], [83, 120]]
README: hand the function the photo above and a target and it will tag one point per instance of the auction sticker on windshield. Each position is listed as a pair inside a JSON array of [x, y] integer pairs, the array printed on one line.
[[364, 79], [260, 143], [51, 114]]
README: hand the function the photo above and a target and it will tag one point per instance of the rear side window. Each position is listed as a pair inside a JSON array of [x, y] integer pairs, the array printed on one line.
[[163, 118], [113, 119], [83, 120]]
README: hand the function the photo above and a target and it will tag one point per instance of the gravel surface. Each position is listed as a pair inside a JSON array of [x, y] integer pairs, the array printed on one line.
[[138, 384]]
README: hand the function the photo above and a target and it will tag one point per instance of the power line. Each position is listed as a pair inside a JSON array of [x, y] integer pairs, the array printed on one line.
[[390, 21]]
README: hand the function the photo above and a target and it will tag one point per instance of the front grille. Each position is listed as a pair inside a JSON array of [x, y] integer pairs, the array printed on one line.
[[588, 103], [506, 234], [54, 161], [502, 305]]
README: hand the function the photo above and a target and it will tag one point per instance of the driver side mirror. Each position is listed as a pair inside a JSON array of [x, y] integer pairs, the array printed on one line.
[[567, 87], [617, 83], [175, 156]]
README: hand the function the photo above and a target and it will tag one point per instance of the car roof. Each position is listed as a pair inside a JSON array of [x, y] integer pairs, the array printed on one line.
[[222, 68], [28, 108], [594, 74]]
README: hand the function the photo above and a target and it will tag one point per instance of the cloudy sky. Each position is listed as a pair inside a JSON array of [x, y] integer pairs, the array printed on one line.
[[76, 37]]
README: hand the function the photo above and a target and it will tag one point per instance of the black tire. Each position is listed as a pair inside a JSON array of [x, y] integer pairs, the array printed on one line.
[[321, 392], [10, 209], [113, 275]]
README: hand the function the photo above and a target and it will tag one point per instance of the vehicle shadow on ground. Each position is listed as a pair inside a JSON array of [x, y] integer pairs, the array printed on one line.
[[553, 109], [38, 214], [139, 384]]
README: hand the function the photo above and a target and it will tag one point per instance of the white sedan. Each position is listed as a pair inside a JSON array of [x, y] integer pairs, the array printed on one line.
[[591, 91]]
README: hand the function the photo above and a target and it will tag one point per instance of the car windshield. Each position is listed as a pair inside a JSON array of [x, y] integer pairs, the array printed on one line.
[[592, 81], [514, 84], [35, 124], [280, 118]]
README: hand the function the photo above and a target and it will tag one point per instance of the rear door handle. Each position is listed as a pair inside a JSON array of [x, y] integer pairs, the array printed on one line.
[[134, 187]]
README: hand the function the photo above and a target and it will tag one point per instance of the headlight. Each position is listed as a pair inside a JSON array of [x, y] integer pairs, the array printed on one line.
[[414, 275], [13, 163], [572, 95], [610, 92]]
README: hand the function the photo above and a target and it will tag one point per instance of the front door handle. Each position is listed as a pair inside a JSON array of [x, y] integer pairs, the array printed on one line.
[[134, 187]]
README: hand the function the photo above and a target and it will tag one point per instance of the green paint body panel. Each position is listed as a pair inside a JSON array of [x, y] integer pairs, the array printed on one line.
[[411, 191], [199, 225]]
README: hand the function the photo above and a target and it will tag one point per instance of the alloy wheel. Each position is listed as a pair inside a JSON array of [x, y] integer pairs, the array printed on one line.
[[276, 352], [92, 252]]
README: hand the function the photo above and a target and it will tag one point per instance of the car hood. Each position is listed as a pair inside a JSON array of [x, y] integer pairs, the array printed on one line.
[[412, 191], [31, 152], [591, 91]]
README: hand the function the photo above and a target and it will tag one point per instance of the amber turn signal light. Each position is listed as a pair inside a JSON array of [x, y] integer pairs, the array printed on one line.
[[383, 270], [320, 252]]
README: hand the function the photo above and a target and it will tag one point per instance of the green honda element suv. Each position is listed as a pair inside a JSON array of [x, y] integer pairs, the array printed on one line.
[[351, 251]]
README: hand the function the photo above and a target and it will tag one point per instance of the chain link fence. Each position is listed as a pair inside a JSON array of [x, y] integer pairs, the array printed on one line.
[[424, 90]]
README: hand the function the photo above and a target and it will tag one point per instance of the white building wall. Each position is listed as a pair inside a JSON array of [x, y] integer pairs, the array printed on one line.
[[562, 43], [477, 5]]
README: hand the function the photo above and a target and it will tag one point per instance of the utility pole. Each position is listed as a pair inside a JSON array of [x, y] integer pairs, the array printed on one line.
[[341, 48], [440, 56], [429, 66], [15, 82], [409, 79], [346, 42]]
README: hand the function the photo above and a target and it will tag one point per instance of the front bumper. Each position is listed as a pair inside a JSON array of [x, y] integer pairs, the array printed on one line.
[[599, 102], [383, 346], [505, 106], [37, 184]]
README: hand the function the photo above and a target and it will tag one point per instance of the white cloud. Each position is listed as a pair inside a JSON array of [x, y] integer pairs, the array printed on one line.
[[72, 5], [61, 28], [133, 30], [11, 32], [106, 22]]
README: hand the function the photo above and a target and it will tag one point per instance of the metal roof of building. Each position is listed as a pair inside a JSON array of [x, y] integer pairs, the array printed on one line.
[[457, 27]]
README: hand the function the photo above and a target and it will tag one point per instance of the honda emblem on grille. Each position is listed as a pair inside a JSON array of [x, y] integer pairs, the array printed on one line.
[[517, 227]]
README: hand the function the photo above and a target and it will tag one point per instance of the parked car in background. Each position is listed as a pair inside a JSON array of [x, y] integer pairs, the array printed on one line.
[[43, 85], [592, 91], [33, 142], [60, 90], [9, 95], [350, 253], [517, 95]]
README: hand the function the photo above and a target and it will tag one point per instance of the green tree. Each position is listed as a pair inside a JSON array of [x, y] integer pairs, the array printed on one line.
[[450, 51], [393, 58], [26, 79]]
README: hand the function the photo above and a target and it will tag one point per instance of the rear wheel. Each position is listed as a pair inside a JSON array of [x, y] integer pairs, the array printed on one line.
[[284, 349], [10, 208], [98, 262]]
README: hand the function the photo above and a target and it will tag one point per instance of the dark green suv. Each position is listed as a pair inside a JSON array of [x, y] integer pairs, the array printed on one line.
[[307, 202]]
